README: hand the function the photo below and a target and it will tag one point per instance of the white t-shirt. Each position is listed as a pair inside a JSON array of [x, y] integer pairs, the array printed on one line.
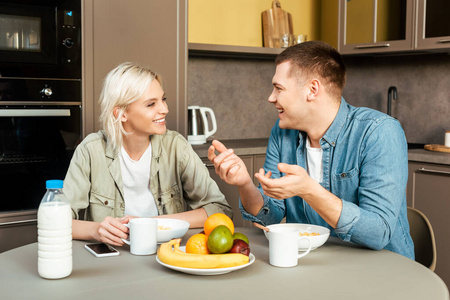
[[138, 198], [314, 160]]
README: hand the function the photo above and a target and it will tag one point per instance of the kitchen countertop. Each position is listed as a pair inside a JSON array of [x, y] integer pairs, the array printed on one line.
[[258, 146], [426, 156]]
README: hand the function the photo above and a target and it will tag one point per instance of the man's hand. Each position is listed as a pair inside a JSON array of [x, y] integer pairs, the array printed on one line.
[[294, 183], [228, 165]]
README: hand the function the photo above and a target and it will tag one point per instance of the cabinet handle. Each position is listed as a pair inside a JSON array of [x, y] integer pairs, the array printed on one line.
[[372, 46], [23, 222], [444, 41], [433, 171]]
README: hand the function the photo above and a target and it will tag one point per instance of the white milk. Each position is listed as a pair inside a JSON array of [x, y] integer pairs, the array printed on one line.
[[54, 235], [54, 216]]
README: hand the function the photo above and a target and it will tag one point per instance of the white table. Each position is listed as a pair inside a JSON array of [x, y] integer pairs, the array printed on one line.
[[336, 270]]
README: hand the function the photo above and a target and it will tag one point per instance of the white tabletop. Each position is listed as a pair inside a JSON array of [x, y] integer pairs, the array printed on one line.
[[336, 270]]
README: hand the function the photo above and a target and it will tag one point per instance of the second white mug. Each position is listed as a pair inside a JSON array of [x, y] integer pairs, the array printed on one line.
[[283, 247], [142, 236]]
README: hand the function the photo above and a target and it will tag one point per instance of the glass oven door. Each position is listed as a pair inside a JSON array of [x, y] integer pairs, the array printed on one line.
[[36, 144], [28, 33]]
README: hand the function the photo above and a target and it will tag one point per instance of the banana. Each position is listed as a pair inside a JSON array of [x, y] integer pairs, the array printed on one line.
[[169, 253]]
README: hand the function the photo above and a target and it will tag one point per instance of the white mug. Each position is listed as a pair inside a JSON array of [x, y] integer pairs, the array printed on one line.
[[142, 236], [283, 247]]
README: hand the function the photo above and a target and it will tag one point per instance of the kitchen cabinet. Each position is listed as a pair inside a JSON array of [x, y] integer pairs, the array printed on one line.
[[152, 33], [383, 26], [231, 193], [258, 161], [428, 191], [18, 229], [372, 26], [433, 26]]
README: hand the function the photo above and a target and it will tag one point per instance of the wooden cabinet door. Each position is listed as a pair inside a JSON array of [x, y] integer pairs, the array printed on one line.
[[17, 229], [258, 164], [152, 33], [371, 26], [429, 191], [433, 26]]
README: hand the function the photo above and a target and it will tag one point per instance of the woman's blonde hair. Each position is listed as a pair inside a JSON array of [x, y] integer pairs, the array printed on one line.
[[122, 86]]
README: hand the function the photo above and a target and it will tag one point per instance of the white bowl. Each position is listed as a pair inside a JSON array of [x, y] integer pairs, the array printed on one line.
[[175, 229], [316, 241]]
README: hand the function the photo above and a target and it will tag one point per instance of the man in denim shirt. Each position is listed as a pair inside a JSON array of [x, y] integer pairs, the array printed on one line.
[[327, 162]]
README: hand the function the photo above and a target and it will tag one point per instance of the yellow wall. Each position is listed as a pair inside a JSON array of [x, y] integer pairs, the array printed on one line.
[[359, 21], [329, 19], [238, 22], [388, 20]]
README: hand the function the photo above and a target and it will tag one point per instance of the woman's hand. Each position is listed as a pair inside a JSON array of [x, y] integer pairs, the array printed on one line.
[[112, 230]]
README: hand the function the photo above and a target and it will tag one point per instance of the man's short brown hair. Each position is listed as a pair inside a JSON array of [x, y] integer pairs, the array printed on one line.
[[315, 58]]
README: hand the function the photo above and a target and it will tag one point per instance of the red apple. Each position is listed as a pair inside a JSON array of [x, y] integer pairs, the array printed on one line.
[[240, 246]]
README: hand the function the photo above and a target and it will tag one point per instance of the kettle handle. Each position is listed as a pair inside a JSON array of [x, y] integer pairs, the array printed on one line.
[[203, 111]]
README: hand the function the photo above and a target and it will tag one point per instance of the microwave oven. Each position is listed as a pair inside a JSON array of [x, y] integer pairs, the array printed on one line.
[[40, 39]]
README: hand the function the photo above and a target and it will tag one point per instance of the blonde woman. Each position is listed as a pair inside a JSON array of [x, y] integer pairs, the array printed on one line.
[[134, 166]]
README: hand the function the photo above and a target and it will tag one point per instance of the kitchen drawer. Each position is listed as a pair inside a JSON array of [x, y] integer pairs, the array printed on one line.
[[428, 191], [17, 229]]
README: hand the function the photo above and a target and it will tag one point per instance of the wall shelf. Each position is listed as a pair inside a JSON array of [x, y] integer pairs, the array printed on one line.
[[196, 49]]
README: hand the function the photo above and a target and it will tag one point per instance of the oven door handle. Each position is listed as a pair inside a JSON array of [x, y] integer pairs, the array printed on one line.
[[34, 112]]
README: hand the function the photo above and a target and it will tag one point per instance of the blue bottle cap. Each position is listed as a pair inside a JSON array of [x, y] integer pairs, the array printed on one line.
[[54, 184]]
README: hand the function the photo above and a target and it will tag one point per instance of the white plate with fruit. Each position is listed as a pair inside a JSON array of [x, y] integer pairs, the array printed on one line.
[[216, 271], [218, 249]]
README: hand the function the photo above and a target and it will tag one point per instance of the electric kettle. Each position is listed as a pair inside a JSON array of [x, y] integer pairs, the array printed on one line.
[[198, 127]]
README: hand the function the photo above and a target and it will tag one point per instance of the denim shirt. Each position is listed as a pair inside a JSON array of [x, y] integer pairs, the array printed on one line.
[[365, 164]]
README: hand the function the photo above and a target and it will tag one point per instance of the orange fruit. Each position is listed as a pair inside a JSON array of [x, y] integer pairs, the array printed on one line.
[[217, 219], [197, 244]]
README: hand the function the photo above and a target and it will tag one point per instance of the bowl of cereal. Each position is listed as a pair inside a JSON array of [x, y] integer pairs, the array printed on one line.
[[170, 229], [318, 235]]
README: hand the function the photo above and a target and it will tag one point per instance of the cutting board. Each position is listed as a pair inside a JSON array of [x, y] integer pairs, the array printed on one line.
[[276, 22], [438, 148]]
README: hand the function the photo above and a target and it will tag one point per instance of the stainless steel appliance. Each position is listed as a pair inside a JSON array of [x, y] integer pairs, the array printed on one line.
[[40, 106], [198, 125]]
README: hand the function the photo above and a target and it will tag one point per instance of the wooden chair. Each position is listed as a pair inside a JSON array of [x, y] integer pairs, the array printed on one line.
[[423, 238]]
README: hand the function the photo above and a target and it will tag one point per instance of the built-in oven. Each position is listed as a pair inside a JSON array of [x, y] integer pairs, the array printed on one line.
[[37, 140], [40, 106]]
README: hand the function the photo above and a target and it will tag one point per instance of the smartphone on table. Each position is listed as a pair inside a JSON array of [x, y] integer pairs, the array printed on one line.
[[101, 250]]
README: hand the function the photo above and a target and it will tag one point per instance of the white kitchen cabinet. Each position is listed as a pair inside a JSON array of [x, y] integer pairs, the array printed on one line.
[[428, 191]]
